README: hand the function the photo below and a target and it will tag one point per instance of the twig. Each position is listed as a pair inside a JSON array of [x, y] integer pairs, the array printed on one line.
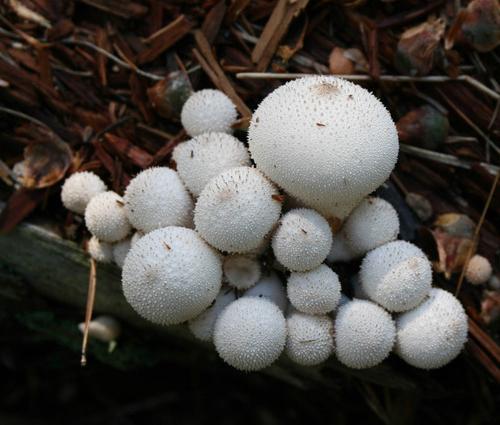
[[88, 310], [23, 116]]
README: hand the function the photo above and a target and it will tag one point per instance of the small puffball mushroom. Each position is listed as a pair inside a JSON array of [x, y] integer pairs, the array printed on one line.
[[157, 198], [310, 338], [302, 240], [396, 275], [316, 291], [171, 275], [478, 270], [105, 217], [102, 252], [340, 250], [208, 110], [202, 327], [79, 188], [236, 210], [364, 334], [205, 156], [120, 251], [432, 334], [250, 333], [346, 134], [241, 271], [270, 287], [103, 328]]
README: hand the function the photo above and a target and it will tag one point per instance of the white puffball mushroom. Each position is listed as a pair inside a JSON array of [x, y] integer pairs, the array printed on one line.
[[236, 210], [310, 338], [202, 326], [433, 334], [208, 110], [101, 252], [250, 333], [396, 275], [105, 217], [120, 251], [325, 141], [157, 198], [171, 275], [364, 334], [270, 287], [302, 240], [241, 271], [79, 188], [316, 291], [207, 155], [103, 328], [340, 250], [478, 270], [135, 237]]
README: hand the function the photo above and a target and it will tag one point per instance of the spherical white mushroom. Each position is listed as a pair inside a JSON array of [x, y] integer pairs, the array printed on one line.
[[208, 110], [396, 275], [340, 250], [79, 188], [345, 133], [205, 156], [432, 334], [102, 252], [120, 251], [241, 271], [236, 210], [316, 291], [103, 328], [302, 240], [250, 333], [202, 326], [478, 270], [364, 334], [310, 338], [105, 217], [171, 275], [270, 287], [157, 198]]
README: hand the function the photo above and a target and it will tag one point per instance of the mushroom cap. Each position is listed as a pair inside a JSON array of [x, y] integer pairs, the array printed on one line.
[[432, 334], [79, 188], [302, 240], [269, 286], [157, 198], [236, 210], [105, 217], [372, 223], [205, 156], [324, 140], [102, 252], [103, 328], [208, 110], [171, 275], [364, 334], [478, 270], [250, 333], [316, 291], [310, 338], [120, 251], [396, 275], [241, 271], [202, 326]]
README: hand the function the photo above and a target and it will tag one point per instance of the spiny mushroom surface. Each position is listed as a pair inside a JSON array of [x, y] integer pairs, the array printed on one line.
[[236, 210], [434, 333], [171, 275], [105, 217], [102, 252], [310, 338], [478, 270], [205, 156], [396, 275], [345, 133], [120, 251], [157, 198], [269, 286], [302, 240], [250, 333], [241, 271], [364, 334], [208, 110], [79, 188]]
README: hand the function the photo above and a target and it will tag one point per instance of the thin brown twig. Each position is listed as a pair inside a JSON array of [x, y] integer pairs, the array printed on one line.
[[23, 116], [88, 310]]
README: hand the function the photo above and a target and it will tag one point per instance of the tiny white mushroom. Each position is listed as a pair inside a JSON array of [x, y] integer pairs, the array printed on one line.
[[340, 250], [120, 251], [208, 110], [79, 188], [101, 252], [103, 328], [270, 287], [478, 270], [241, 271]]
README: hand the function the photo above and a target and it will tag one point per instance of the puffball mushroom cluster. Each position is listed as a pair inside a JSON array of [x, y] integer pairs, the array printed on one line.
[[209, 234]]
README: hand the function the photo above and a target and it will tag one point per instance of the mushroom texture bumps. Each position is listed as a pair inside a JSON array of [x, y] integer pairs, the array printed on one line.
[[79, 189], [325, 141]]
